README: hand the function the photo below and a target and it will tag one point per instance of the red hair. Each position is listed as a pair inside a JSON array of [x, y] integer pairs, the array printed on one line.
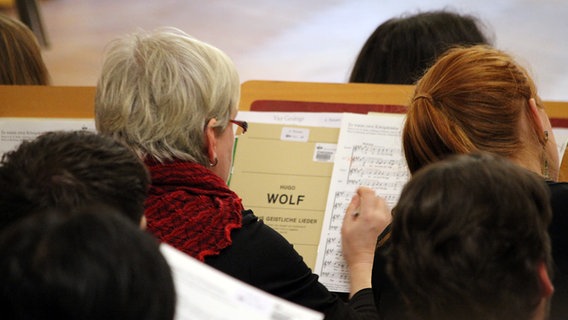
[[471, 99]]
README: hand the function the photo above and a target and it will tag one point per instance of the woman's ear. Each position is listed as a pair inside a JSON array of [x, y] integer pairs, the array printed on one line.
[[536, 115], [211, 140], [143, 222], [545, 282], [539, 120]]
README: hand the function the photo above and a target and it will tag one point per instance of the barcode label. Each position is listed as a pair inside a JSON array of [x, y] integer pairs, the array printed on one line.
[[324, 152]]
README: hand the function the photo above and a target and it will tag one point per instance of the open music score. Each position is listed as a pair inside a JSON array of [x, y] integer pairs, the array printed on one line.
[[369, 153]]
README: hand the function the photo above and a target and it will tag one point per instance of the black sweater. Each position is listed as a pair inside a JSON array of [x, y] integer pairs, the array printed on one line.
[[261, 257]]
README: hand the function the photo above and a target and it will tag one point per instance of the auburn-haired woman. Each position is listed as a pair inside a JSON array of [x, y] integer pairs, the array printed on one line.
[[480, 99]]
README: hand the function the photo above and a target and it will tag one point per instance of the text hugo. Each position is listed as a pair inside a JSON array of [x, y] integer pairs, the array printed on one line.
[[283, 198]]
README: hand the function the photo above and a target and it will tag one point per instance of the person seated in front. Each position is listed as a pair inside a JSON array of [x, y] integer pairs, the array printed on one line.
[[173, 99], [402, 48], [88, 263], [481, 99], [469, 241]]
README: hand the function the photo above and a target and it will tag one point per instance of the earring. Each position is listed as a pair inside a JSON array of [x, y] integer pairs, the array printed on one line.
[[545, 169], [214, 163]]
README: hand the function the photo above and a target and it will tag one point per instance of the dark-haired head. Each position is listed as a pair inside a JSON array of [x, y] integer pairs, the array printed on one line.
[[401, 49], [66, 170], [88, 264], [469, 240]]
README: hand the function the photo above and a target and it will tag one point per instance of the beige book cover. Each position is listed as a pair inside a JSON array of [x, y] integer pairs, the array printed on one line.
[[289, 194]]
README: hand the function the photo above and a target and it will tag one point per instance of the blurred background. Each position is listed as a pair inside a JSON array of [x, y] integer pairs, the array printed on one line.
[[294, 40]]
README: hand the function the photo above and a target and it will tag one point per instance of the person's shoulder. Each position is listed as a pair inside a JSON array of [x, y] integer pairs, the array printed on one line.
[[558, 190], [249, 217], [264, 243], [252, 225], [258, 254], [557, 186]]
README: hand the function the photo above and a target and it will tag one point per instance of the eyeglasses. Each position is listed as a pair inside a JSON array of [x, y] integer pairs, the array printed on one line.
[[242, 124]]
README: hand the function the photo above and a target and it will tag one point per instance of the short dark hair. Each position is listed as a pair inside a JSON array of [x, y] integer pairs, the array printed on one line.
[[71, 169], [468, 235], [401, 49], [85, 265]]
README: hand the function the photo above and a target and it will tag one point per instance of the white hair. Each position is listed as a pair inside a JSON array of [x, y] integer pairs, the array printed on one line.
[[158, 90]]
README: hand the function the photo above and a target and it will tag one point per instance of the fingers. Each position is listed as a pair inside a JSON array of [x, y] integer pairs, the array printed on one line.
[[369, 207], [353, 207], [359, 231], [368, 200], [364, 199]]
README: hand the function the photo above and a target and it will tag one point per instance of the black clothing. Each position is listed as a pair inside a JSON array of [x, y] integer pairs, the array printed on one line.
[[261, 257], [558, 231]]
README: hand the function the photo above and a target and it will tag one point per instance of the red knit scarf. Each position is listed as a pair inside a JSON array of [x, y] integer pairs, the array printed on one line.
[[191, 208]]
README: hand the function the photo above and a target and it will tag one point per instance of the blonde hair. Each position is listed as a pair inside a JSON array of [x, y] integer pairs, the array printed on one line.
[[22, 63], [158, 90], [471, 99]]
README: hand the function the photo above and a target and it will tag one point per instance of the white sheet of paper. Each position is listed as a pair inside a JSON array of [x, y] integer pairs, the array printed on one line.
[[206, 293], [15, 130], [369, 153], [561, 137]]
